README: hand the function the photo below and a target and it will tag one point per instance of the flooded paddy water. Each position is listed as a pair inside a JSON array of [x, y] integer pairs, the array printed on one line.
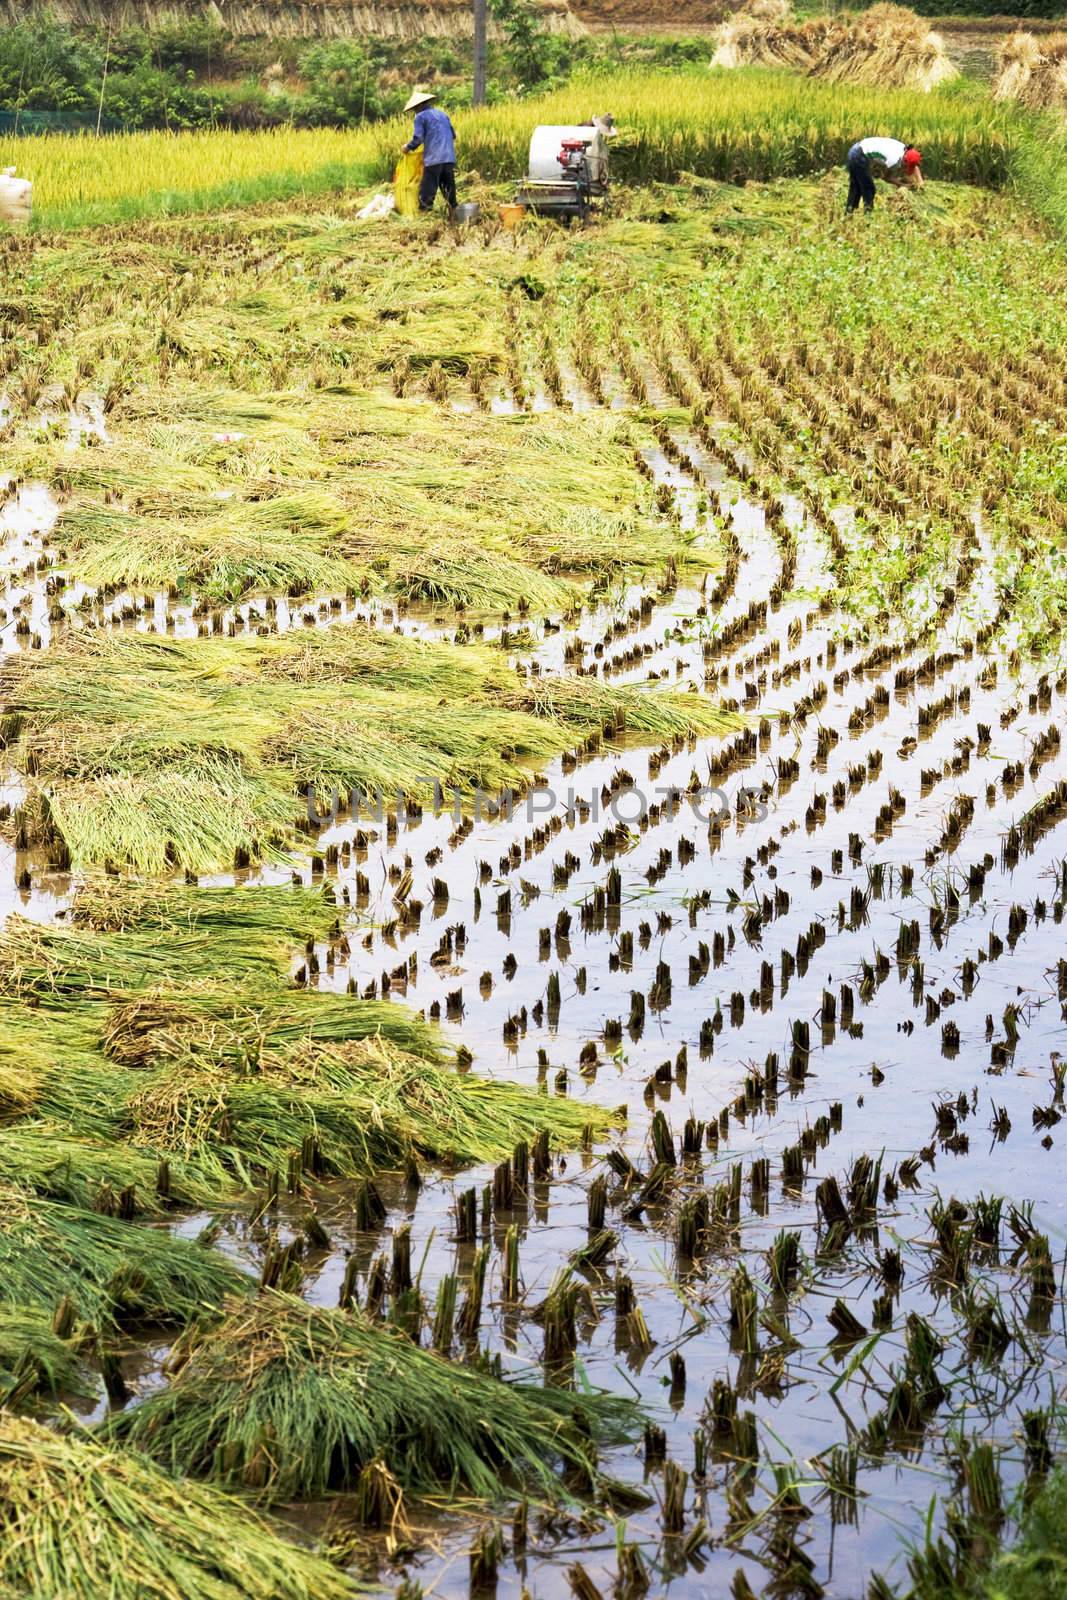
[[813, 963]]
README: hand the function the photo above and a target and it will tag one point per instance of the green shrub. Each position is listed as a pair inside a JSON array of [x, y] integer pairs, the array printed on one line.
[[342, 84]]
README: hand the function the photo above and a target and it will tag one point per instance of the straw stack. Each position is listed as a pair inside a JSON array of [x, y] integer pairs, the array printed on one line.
[[754, 39], [1033, 71], [887, 45]]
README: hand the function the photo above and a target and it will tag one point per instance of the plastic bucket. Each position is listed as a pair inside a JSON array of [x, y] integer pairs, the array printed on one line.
[[512, 215]]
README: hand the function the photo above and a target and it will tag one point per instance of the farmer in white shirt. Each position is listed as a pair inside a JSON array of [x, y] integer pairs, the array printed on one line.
[[897, 163]]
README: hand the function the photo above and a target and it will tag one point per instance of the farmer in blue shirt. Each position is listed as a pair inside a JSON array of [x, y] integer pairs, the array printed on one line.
[[435, 133]]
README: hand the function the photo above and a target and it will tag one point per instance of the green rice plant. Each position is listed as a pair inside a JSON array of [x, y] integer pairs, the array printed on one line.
[[362, 1107], [80, 1520], [114, 1273], [114, 1178], [159, 753], [34, 1360], [284, 543], [751, 122], [285, 1398]]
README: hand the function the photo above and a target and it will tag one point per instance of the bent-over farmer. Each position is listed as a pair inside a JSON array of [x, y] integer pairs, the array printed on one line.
[[434, 131], [891, 159]]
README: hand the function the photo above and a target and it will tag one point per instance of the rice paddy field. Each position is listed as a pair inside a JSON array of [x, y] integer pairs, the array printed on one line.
[[534, 866]]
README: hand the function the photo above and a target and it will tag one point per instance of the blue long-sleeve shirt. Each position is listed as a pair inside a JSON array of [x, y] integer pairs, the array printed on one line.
[[434, 131]]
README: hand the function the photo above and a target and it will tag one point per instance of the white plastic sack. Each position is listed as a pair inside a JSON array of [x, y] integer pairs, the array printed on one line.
[[377, 207], [16, 197]]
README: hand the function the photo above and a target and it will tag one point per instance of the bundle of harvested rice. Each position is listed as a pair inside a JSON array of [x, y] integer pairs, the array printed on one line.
[[103, 1175], [1033, 71], [79, 1521], [270, 919], [291, 1399], [194, 753], [360, 1107], [114, 1273], [754, 39], [886, 45], [34, 1360]]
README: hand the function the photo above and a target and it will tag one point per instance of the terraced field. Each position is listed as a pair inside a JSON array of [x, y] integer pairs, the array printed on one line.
[[535, 810]]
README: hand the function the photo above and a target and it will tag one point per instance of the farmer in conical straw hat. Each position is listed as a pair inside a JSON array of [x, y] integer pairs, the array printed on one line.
[[434, 131], [891, 159]]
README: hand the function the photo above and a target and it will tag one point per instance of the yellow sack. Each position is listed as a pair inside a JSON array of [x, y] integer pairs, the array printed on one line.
[[406, 180]]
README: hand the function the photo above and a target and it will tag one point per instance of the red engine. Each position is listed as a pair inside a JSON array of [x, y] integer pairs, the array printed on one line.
[[571, 155]]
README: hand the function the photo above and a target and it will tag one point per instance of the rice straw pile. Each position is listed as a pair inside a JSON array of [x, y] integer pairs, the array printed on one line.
[[885, 46], [78, 1522], [289, 1399], [1033, 71]]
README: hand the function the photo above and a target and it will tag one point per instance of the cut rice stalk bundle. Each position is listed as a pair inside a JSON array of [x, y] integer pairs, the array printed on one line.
[[238, 1027], [110, 1177], [476, 582], [285, 543], [219, 1089], [751, 39], [656, 713], [289, 1399], [611, 546], [1033, 71], [81, 1521], [378, 747], [199, 816], [35, 1361], [115, 1273], [194, 753], [884, 46], [46, 962], [272, 919], [363, 1107]]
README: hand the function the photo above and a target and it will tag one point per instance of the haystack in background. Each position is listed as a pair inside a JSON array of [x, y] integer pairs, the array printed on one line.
[[753, 39], [1033, 71], [886, 46], [769, 10]]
